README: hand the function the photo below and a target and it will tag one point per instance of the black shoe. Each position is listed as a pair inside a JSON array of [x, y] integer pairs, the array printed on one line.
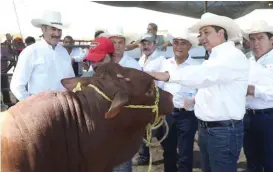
[[141, 161]]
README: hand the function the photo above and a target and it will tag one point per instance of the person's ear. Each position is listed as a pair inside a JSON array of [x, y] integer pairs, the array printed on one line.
[[120, 99]]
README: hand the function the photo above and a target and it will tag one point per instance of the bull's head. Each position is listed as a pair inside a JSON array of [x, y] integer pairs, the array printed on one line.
[[125, 86]]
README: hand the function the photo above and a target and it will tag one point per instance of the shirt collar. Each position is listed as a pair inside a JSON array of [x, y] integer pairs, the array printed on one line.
[[49, 46], [123, 59], [153, 55], [221, 48], [189, 61], [264, 57]]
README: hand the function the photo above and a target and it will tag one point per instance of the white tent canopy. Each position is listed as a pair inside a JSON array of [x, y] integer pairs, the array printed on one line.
[[85, 17]]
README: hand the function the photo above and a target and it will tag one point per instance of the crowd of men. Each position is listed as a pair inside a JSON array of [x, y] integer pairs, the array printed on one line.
[[228, 98]]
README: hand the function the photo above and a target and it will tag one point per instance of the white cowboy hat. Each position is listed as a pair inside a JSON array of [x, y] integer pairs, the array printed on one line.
[[209, 19], [258, 26], [49, 18], [184, 34], [113, 32]]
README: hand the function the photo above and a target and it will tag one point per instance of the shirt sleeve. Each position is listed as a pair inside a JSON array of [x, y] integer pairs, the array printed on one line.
[[264, 92], [22, 74], [162, 68], [203, 76]]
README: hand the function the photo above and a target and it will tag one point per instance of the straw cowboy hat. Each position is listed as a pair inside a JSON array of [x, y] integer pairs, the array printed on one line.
[[209, 19], [184, 34], [49, 18], [258, 26]]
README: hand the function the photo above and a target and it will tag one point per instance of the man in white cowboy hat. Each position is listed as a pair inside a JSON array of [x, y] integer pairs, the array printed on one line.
[[258, 138], [42, 65], [222, 82], [182, 122], [118, 38]]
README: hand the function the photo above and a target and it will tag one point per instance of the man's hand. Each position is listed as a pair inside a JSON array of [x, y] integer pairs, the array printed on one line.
[[84, 65], [164, 48], [189, 103], [251, 90]]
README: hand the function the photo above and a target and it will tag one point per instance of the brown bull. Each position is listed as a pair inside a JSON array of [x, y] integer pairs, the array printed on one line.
[[81, 131]]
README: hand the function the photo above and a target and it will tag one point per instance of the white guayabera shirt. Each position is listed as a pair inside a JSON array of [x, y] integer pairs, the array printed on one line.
[[41, 68], [222, 83]]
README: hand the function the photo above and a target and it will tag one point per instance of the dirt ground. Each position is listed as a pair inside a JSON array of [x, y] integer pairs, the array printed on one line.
[[158, 161]]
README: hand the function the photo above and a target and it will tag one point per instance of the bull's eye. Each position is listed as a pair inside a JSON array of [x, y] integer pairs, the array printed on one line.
[[151, 90]]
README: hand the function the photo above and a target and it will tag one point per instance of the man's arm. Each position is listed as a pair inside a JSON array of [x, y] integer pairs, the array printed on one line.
[[22, 74], [131, 46], [263, 92], [199, 76]]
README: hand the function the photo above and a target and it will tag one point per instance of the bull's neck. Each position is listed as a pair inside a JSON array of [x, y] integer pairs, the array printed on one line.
[[92, 105]]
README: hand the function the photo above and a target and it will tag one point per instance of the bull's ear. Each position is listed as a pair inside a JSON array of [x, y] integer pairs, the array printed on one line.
[[71, 83], [120, 99]]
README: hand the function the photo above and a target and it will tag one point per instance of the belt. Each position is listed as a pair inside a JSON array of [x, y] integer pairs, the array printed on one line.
[[179, 110], [227, 123], [259, 111]]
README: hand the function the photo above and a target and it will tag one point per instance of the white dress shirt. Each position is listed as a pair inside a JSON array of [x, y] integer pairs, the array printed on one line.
[[129, 62], [179, 92], [153, 64], [222, 83], [77, 54], [261, 76], [41, 68]]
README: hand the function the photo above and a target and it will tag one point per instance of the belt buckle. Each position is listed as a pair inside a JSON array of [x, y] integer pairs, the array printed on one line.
[[253, 111], [204, 124]]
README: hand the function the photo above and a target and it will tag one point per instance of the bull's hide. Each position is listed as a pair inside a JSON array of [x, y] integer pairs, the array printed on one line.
[[69, 132], [47, 122]]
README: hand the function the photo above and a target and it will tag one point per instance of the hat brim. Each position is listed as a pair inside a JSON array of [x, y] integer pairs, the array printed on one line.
[[95, 57], [192, 39], [233, 30], [39, 22], [249, 32], [145, 39]]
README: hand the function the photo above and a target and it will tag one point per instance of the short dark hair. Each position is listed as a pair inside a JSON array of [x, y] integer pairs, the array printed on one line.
[[29, 40], [97, 33], [269, 35], [69, 37], [218, 28], [154, 26]]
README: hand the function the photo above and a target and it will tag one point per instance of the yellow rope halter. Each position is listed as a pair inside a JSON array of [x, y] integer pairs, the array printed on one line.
[[159, 121]]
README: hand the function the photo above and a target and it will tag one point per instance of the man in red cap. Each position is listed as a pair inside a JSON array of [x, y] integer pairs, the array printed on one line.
[[101, 51]]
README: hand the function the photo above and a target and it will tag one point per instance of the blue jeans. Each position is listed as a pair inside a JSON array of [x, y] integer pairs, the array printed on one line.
[[124, 167], [220, 147], [258, 142], [182, 129]]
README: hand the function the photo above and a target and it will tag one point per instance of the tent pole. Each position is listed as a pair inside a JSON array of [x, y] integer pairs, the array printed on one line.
[[205, 6], [17, 19]]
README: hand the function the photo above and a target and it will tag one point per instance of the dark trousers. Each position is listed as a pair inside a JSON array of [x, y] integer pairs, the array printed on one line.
[[258, 142], [220, 147], [5, 93], [182, 129]]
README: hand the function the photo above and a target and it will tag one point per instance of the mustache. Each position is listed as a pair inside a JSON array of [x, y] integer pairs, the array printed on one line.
[[146, 49], [57, 37]]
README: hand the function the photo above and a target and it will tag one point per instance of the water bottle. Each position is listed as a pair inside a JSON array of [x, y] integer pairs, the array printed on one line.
[[189, 101]]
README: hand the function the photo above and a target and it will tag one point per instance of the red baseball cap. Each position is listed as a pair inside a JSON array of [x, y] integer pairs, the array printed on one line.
[[99, 48]]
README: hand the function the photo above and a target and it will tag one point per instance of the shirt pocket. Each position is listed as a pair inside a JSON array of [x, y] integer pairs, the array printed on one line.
[[40, 66]]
